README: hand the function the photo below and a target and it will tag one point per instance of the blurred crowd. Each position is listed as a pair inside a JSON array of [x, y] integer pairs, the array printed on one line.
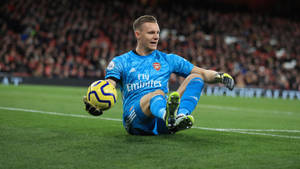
[[77, 39]]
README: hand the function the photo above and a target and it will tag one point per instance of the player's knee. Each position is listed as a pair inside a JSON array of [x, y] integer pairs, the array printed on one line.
[[193, 76], [158, 92], [195, 80]]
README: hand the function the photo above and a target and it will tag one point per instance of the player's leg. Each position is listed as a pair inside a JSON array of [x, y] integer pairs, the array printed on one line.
[[136, 122], [143, 116], [190, 91], [155, 104], [147, 116]]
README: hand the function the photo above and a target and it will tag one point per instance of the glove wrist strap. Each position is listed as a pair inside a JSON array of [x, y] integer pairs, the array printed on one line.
[[219, 77]]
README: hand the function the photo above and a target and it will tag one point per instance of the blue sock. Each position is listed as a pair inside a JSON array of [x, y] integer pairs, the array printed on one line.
[[158, 105], [191, 96]]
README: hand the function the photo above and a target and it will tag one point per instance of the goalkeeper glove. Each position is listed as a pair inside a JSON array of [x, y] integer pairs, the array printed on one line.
[[226, 79], [90, 108]]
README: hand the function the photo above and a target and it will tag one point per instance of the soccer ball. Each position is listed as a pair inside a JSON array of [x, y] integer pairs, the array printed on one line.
[[101, 94]]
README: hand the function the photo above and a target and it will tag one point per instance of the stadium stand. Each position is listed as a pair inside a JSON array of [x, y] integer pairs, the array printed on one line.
[[77, 39]]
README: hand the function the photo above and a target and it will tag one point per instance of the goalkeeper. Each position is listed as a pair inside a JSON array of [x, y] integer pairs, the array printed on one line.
[[143, 75]]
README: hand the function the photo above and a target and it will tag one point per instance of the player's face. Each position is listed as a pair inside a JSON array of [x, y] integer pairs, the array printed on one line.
[[148, 36]]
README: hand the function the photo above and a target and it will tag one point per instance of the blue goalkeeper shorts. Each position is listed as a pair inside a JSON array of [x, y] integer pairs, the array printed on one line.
[[137, 123]]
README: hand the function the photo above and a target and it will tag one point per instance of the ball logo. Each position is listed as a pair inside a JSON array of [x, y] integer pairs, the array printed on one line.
[[156, 66]]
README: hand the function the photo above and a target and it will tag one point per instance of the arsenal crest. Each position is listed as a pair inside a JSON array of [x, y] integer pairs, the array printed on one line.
[[156, 66]]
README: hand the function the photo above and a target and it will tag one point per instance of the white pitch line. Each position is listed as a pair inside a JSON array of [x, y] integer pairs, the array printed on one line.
[[58, 114], [243, 109], [249, 130], [242, 131], [266, 134]]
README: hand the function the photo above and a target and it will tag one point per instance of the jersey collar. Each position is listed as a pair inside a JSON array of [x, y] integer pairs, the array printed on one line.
[[133, 52]]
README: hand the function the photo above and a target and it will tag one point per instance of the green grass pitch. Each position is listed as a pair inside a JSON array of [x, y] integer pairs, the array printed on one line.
[[43, 127]]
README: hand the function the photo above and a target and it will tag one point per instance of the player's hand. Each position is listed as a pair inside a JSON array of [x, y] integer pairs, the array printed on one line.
[[226, 79], [90, 108]]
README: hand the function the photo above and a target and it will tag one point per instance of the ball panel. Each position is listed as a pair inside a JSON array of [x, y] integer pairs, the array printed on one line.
[[109, 90], [102, 94]]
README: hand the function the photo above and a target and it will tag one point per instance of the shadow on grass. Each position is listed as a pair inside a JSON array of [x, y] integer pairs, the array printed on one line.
[[189, 139]]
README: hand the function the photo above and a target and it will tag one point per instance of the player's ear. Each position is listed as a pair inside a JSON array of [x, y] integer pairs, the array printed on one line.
[[137, 34]]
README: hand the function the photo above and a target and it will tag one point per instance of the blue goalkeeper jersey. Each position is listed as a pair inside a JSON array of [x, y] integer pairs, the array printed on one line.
[[140, 75]]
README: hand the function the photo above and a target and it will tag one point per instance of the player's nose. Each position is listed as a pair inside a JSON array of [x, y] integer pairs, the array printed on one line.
[[156, 37]]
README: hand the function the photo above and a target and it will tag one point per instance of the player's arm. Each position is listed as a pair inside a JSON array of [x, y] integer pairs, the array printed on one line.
[[210, 76], [112, 81]]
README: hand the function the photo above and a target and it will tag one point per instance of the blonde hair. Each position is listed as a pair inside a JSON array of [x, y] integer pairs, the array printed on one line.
[[143, 19]]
